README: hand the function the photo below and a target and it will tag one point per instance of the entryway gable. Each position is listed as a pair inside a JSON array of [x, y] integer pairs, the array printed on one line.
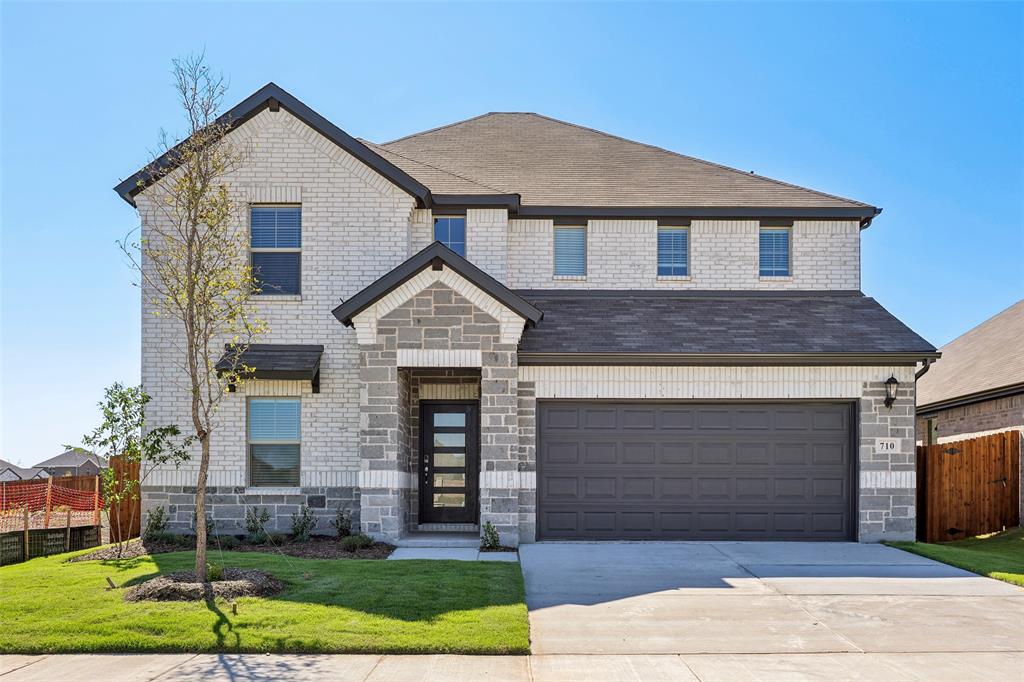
[[510, 323], [432, 265]]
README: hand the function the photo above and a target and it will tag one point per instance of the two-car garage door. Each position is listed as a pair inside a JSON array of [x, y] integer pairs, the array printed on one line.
[[684, 471]]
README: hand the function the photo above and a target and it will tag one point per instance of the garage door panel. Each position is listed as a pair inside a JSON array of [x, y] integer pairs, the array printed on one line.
[[687, 471]]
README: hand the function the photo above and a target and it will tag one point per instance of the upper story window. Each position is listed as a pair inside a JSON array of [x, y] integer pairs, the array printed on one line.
[[570, 251], [276, 244], [452, 233], [774, 252], [274, 442], [673, 251]]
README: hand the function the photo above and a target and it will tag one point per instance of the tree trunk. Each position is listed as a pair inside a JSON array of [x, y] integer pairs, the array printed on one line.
[[204, 465]]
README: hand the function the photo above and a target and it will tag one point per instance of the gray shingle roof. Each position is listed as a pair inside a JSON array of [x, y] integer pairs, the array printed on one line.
[[554, 163], [986, 358], [24, 473], [629, 321], [74, 457]]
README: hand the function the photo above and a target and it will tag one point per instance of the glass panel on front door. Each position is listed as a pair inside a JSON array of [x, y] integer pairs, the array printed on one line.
[[448, 462]]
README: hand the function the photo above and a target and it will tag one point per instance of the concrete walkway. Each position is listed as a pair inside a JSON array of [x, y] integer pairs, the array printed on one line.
[[761, 598], [450, 554], [889, 667]]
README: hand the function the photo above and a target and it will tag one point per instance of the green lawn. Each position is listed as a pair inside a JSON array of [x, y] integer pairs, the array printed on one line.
[[1000, 555], [327, 606]]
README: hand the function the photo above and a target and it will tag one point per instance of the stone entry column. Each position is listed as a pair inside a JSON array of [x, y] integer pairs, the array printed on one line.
[[384, 478], [499, 442]]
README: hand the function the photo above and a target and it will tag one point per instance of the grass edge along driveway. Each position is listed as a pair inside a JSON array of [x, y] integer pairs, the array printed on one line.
[[327, 606], [998, 555]]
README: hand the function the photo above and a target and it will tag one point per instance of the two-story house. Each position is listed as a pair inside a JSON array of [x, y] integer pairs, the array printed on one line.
[[517, 320]]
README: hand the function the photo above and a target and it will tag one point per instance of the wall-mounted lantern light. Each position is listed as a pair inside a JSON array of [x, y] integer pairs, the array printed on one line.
[[890, 391]]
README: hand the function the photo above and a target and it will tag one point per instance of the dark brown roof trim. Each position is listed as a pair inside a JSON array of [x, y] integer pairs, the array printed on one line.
[[724, 359], [864, 214], [692, 293], [973, 398], [433, 256], [273, 96], [507, 201]]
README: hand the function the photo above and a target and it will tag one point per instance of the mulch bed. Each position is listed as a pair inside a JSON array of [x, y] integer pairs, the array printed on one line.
[[316, 548], [499, 548], [135, 548], [182, 586]]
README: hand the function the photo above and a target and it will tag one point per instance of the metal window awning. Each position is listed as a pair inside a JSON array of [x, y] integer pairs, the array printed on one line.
[[277, 361]]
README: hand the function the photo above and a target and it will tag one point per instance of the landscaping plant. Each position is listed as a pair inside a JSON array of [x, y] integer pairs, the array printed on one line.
[[303, 524], [156, 524], [342, 523], [256, 525], [353, 542], [193, 261], [490, 539]]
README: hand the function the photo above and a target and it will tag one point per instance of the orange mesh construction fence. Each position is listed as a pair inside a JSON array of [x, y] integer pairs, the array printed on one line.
[[46, 504]]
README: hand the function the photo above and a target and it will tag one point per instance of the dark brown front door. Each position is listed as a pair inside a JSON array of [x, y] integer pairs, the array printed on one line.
[[449, 462]]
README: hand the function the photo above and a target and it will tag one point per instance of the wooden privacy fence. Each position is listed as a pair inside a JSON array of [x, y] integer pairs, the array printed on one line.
[[125, 516], [968, 487]]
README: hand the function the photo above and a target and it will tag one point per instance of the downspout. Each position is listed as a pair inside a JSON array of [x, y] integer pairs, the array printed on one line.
[[924, 370]]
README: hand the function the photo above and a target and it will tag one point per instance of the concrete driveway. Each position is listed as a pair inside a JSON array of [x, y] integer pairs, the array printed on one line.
[[760, 598]]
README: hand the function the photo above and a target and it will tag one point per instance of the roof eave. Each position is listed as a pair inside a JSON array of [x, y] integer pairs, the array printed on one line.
[[272, 95], [407, 270], [971, 398], [725, 359]]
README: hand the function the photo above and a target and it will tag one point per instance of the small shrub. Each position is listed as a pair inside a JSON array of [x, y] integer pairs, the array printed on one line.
[[342, 523], [214, 572], [277, 538], [229, 542], [303, 524], [490, 539], [353, 542], [256, 525], [156, 524]]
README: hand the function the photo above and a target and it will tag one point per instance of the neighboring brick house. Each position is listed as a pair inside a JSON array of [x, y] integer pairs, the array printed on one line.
[[977, 388], [561, 332]]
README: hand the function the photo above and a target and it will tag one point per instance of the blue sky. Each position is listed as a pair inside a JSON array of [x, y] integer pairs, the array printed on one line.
[[910, 106]]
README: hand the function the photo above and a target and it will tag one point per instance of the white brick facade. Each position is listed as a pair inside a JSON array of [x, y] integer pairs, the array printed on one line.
[[357, 226]]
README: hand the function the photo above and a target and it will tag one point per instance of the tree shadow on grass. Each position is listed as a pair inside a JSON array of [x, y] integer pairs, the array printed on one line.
[[411, 591]]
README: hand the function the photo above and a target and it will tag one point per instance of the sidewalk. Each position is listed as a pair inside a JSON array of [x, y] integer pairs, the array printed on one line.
[[958, 667]]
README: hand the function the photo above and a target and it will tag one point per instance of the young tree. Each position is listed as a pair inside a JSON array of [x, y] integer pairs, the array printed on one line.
[[123, 433], [193, 261]]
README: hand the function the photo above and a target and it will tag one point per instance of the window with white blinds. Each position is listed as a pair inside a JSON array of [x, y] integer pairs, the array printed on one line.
[[276, 244], [673, 251], [570, 251], [275, 428], [774, 252]]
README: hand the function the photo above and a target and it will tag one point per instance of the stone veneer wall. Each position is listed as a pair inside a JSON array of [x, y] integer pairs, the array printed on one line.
[[436, 319], [886, 491], [227, 505]]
